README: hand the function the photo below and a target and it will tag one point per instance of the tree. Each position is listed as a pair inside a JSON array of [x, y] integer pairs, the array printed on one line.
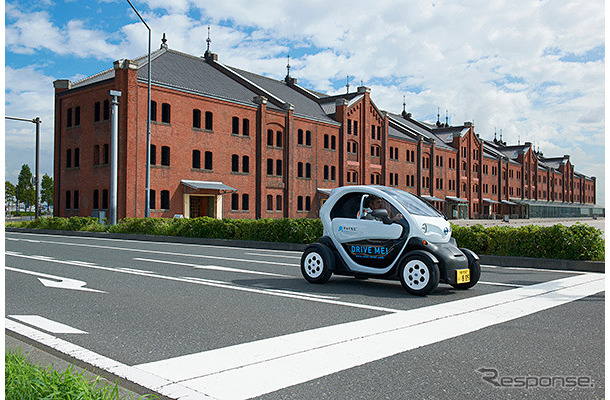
[[46, 190], [9, 193], [25, 188]]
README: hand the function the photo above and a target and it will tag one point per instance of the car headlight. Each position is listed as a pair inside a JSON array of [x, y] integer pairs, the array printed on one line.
[[424, 228]]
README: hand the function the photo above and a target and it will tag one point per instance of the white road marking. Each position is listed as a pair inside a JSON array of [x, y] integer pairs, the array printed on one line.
[[170, 253], [137, 376], [46, 324], [212, 267], [272, 255], [317, 296], [533, 269], [141, 271], [272, 364], [223, 286], [57, 282], [212, 246], [499, 284]]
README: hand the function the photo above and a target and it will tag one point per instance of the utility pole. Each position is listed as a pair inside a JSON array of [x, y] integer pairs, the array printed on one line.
[[36, 121], [114, 153]]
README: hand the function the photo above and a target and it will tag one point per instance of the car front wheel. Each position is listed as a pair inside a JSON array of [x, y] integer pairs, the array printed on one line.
[[418, 275], [317, 263]]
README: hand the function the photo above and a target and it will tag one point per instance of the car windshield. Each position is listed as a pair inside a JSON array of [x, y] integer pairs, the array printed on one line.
[[411, 203]]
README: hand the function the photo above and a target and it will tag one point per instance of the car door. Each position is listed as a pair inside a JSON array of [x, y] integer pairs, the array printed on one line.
[[364, 242]]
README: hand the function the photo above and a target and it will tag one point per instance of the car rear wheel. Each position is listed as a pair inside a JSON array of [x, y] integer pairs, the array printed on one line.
[[317, 263], [418, 275]]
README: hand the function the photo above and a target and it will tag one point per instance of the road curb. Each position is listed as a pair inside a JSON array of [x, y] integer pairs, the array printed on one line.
[[503, 261]]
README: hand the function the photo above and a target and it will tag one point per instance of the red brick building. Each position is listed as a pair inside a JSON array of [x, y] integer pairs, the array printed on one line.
[[228, 143]]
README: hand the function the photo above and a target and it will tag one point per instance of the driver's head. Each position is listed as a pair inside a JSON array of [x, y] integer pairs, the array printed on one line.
[[375, 202]]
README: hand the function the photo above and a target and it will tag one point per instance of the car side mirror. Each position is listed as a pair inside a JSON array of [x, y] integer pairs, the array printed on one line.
[[382, 214]]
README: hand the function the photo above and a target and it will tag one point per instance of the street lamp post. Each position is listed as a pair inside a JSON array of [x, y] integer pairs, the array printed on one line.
[[36, 121], [147, 200]]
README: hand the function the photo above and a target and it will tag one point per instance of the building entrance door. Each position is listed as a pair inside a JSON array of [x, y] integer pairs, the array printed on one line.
[[201, 206]]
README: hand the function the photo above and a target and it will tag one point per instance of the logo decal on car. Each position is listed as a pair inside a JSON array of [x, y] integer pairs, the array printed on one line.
[[347, 229]]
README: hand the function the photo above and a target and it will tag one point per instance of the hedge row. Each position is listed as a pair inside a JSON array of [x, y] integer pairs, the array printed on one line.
[[576, 242], [285, 230]]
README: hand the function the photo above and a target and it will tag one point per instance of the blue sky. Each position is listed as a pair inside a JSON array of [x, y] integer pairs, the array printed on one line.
[[534, 69]]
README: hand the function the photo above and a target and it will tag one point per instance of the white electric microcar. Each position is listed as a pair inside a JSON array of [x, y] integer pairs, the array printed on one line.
[[387, 233]]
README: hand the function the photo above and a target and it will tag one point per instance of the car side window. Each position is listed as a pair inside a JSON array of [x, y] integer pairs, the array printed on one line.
[[347, 206]]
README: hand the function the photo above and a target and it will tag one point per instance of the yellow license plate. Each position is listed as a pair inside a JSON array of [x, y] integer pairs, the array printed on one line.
[[463, 275]]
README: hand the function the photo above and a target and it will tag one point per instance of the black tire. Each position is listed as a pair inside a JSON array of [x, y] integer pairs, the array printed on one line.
[[418, 275], [317, 263], [475, 273]]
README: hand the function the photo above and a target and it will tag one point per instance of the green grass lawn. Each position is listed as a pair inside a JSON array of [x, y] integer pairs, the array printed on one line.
[[24, 381]]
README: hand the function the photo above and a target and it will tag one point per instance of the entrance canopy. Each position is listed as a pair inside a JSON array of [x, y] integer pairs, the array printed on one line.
[[431, 198], [209, 185], [456, 199]]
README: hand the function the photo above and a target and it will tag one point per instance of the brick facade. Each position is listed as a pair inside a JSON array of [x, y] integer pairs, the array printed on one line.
[[281, 157]]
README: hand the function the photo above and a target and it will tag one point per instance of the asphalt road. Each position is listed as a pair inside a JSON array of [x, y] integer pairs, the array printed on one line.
[[234, 323]]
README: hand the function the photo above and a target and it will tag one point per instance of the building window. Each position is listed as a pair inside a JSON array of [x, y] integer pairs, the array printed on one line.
[[208, 160], [196, 118], [106, 110], [308, 170], [105, 199], [96, 111], [245, 201], [96, 199], [209, 121], [269, 166], [355, 128], [165, 113], [77, 116], [152, 199], [269, 202], [75, 205], [77, 157], [153, 110], [235, 126], [165, 155], [278, 202], [246, 127], [269, 137], [235, 163], [333, 171], [96, 154], [153, 154], [278, 167], [349, 126], [245, 164], [165, 199], [326, 173], [307, 203], [278, 140], [196, 159], [69, 158], [300, 170], [68, 200], [333, 142], [234, 202], [326, 141], [300, 136], [308, 138], [69, 118], [300, 203]]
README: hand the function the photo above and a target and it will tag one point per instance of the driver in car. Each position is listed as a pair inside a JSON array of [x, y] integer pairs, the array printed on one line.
[[376, 203]]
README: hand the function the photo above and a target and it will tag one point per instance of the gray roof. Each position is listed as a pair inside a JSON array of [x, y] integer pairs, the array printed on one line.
[[303, 105], [401, 124]]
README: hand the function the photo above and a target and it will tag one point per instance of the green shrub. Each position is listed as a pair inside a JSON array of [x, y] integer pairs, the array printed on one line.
[[576, 242]]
